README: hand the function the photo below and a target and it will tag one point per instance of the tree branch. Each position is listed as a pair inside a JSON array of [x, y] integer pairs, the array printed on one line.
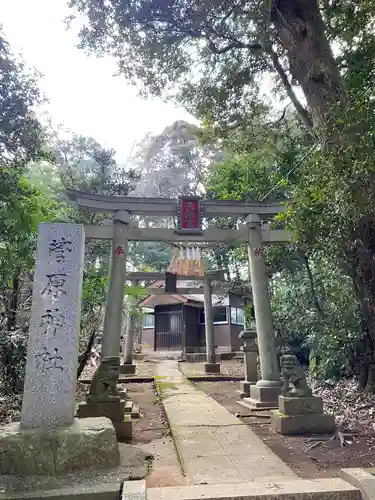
[[233, 45], [310, 276], [279, 119], [302, 112]]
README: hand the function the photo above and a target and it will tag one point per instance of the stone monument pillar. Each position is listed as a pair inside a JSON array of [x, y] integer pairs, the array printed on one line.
[[250, 352], [45, 441], [128, 367], [52, 351], [210, 366], [266, 391]]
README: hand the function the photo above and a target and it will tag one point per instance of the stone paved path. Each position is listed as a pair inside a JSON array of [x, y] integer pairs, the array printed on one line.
[[213, 445]]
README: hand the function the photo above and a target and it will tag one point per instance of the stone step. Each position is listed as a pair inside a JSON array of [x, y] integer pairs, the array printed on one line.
[[134, 490], [299, 489], [128, 406], [135, 411], [131, 409], [99, 491]]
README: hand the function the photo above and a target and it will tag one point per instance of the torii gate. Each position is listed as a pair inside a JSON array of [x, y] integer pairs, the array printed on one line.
[[190, 212], [187, 266]]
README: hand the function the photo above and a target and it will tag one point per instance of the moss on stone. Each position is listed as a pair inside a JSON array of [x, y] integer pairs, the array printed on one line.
[[87, 443], [166, 386]]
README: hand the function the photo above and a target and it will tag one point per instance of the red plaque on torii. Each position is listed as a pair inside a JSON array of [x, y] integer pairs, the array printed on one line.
[[189, 214]]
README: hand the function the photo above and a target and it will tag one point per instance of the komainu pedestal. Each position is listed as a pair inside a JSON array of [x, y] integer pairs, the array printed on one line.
[[299, 411], [104, 399]]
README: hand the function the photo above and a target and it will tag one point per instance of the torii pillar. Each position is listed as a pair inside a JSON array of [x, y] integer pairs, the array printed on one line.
[[116, 287], [265, 393], [128, 367], [211, 366]]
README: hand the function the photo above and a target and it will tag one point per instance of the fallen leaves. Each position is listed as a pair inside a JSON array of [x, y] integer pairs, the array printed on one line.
[[351, 407]]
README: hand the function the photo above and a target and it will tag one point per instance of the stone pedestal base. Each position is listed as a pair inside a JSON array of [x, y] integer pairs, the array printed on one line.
[[131, 409], [300, 406], [301, 416], [87, 443], [301, 424], [262, 398], [114, 410], [245, 389], [120, 412], [128, 369], [212, 368], [124, 429]]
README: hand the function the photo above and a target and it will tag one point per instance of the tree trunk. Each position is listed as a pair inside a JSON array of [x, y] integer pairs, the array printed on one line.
[[361, 251], [218, 258], [310, 276], [300, 28], [365, 362], [370, 385], [363, 375], [84, 357], [13, 302]]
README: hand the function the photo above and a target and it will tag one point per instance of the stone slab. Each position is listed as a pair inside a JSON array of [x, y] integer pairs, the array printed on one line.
[[134, 490], [194, 442], [124, 429], [212, 368], [107, 491], [362, 480], [245, 388], [128, 406], [135, 411], [254, 404], [197, 409], [301, 406], [87, 443], [52, 350], [212, 444], [269, 395], [205, 451], [114, 410], [134, 465], [128, 369], [216, 469], [301, 424], [299, 489]]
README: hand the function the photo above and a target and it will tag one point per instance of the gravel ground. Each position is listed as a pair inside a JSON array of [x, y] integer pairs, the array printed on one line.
[[233, 367]]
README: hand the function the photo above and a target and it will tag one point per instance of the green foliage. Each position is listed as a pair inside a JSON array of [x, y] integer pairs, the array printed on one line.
[[12, 360], [150, 256], [212, 57], [94, 291], [21, 135], [234, 179], [330, 332], [23, 207], [211, 54], [93, 302], [83, 164], [316, 308]]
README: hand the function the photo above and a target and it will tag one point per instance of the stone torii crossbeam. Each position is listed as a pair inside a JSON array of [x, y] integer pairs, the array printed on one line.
[[190, 212]]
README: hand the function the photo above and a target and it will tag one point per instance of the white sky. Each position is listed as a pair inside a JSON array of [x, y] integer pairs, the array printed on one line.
[[82, 91]]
